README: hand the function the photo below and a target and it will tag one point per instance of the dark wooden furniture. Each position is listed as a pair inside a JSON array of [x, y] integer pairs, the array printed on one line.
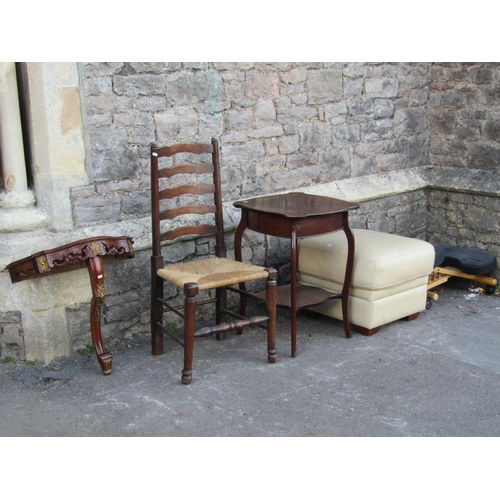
[[178, 210], [91, 253], [298, 215]]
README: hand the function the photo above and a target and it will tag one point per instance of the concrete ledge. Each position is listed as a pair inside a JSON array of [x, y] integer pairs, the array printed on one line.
[[14, 220], [370, 187], [464, 180]]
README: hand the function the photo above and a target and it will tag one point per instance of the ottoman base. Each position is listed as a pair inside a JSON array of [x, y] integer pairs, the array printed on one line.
[[367, 317], [390, 276], [373, 331]]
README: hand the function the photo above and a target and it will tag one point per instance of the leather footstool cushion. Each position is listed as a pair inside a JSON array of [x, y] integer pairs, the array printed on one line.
[[389, 279]]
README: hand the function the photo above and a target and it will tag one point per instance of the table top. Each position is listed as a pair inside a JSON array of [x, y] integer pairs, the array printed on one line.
[[71, 256], [296, 205]]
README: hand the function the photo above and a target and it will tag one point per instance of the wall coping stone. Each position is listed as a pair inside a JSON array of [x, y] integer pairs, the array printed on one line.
[[369, 187], [459, 179]]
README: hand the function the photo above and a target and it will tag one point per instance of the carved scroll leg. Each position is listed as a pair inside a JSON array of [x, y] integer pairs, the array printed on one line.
[[96, 272], [348, 276]]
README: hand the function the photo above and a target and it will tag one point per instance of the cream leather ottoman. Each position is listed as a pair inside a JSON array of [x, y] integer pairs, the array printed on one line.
[[389, 279]]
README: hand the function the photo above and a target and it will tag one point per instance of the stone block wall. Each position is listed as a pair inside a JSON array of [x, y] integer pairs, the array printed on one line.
[[464, 110], [464, 209], [11, 335], [405, 214], [281, 125], [466, 220], [464, 123]]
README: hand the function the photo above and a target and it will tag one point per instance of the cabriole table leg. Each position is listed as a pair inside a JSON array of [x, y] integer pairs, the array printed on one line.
[[96, 272]]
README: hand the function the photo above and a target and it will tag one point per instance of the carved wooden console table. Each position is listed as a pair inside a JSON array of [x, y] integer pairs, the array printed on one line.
[[91, 253]]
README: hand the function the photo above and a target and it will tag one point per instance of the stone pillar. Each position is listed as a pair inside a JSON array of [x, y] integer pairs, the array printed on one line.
[[15, 193], [57, 135]]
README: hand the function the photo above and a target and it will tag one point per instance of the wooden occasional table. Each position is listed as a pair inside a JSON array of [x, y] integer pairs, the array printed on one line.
[[298, 215], [90, 253]]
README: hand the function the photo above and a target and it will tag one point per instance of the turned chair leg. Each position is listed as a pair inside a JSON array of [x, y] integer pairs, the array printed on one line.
[[191, 290], [243, 305], [156, 333], [156, 307], [221, 304], [271, 301]]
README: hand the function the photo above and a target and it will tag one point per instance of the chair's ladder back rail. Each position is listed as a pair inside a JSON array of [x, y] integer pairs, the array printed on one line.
[[201, 189]]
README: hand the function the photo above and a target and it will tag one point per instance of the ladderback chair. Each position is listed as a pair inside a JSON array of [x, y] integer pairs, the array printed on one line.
[[180, 209]]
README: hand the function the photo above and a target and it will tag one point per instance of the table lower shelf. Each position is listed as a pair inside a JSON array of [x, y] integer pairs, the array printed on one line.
[[307, 296]]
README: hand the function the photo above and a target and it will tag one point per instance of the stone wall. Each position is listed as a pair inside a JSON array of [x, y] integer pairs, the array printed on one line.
[[464, 111], [464, 123], [465, 220], [281, 125], [464, 209], [11, 335]]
